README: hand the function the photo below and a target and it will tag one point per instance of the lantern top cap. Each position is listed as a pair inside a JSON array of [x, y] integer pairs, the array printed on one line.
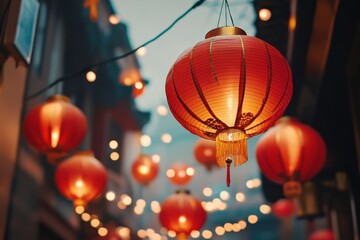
[[225, 31], [183, 191], [286, 119], [88, 153], [58, 97]]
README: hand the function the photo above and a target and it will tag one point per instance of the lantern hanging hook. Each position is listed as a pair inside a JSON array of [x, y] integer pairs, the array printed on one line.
[[227, 11]]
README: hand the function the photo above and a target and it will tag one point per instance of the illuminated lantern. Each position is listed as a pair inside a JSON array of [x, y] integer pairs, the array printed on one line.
[[228, 88], [323, 234], [290, 153], [182, 213], [180, 173], [144, 169], [92, 5], [81, 178], [205, 153], [55, 127], [138, 88], [284, 208]]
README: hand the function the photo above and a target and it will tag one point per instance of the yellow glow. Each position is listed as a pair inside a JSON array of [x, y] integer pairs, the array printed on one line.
[[141, 233], [54, 137], [121, 205], [144, 170], [207, 192], [190, 171], [141, 51], [209, 206], [90, 76], [253, 219], [113, 19], [171, 233], [79, 183], [216, 201], [139, 85], [228, 227], [207, 234], [113, 144], [114, 156], [208, 152], [181, 173], [155, 206], [128, 81], [242, 224], [219, 230], [170, 173], [156, 158], [195, 234], [265, 209], [236, 227], [264, 14], [138, 210], [150, 232], [224, 195], [222, 206], [240, 197], [182, 219], [254, 183], [102, 232], [230, 103], [162, 110], [291, 138], [166, 138], [110, 196], [145, 140], [292, 23], [141, 203], [79, 209], [85, 217], [126, 200], [95, 222], [156, 236], [123, 232]]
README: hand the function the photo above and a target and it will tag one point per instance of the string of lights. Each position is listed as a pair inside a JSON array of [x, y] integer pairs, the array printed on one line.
[[101, 63]]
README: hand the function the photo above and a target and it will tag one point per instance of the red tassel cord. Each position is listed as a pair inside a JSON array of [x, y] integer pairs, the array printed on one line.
[[228, 164]]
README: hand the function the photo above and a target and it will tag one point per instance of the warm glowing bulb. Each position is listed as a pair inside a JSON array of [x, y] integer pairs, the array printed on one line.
[[114, 156], [138, 210], [207, 192], [240, 197], [145, 140], [156, 158], [123, 232], [236, 227], [220, 230], [166, 138], [85, 217], [252, 219], [127, 200], [265, 209], [182, 219], [139, 85], [242, 224], [264, 14], [190, 171], [292, 23], [228, 227], [113, 144], [54, 138], [110, 196], [195, 234], [155, 206], [113, 19], [162, 110], [141, 203], [95, 222], [90, 76], [171, 233], [170, 173], [141, 51], [207, 234], [224, 195], [209, 206], [79, 184], [102, 232], [141, 233], [79, 209], [144, 170]]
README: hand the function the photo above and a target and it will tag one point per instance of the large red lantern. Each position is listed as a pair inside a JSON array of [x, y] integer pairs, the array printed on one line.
[[205, 153], [81, 178], [144, 169], [55, 127], [284, 208], [227, 88], [290, 153], [180, 173], [182, 213]]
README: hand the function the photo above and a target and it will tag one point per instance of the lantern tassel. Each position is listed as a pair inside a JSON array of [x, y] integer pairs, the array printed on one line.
[[228, 179]]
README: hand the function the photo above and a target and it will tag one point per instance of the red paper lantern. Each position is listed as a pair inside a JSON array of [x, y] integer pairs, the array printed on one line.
[[290, 153], [205, 153], [81, 178], [180, 173], [138, 88], [323, 234], [144, 169], [55, 127], [284, 208], [229, 87], [182, 213]]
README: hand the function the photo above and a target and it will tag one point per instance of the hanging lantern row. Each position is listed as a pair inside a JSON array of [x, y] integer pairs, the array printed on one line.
[[290, 153], [228, 88]]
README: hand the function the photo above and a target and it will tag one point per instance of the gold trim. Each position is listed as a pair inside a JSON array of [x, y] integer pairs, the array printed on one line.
[[225, 31], [58, 97]]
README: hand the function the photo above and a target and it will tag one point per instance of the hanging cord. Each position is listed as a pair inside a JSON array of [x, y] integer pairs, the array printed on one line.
[[227, 10], [228, 178], [87, 68]]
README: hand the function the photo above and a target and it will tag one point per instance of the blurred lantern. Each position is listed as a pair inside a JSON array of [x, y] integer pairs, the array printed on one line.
[[323, 234], [138, 88], [55, 127], [182, 213], [205, 153], [92, 5], [81, 178], [130, 76], [290, 153], [284, 208], [144, 169], [180, 173], [228, 88]]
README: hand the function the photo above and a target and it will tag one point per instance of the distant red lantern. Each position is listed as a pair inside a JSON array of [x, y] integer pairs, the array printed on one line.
[[205, 153], [138, 88], [228, 88], [284, 208], [55, 127], [323, 234], [290, 153], [182, 213], [180, 173], [144, 169], [81, 178]]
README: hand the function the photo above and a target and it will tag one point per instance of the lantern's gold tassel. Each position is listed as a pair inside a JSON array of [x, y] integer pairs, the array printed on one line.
[[231, 143]]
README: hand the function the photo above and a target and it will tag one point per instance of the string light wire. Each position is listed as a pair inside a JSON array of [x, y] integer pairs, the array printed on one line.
[[89, 67]]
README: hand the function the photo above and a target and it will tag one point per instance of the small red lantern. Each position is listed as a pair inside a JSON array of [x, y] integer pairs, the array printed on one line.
[[284, 208], [205, 153], [323, 234], [290, 153], [138, 88], [144, 169], [228, 88], [182, 213], [55, 127], [180, 173], [81, 178]]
